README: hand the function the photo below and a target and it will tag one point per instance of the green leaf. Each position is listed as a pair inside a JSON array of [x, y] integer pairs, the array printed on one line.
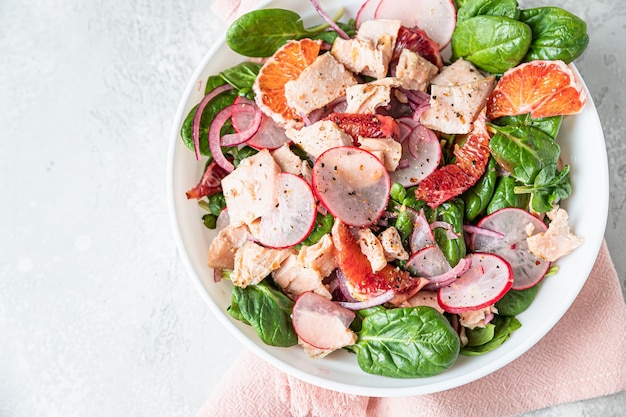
[[323, 226], [523, 151], [480, 335], [549, 187], [452, 212], [557, 34], [548, 125], [267, 310], [515, 302], [471, 8], [492, 43], [242, 76], [504, 196], [406, 343], [217, 203], [504, 327], [479, 195]]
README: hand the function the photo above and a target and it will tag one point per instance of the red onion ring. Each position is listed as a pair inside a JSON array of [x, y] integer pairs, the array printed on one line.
[[245, 135], [195, 128], [343, 286], [447, 278], [329, 20], [372, 302], [482, 231], [450, 233]]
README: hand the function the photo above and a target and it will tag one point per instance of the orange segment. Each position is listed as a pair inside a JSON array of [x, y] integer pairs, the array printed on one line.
[[286, 64], [541, 88]]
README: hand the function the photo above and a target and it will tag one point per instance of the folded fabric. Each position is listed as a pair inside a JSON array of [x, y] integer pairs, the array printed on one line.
[[583, 356]]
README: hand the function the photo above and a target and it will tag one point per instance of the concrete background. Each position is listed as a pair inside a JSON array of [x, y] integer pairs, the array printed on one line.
[[97, 315]]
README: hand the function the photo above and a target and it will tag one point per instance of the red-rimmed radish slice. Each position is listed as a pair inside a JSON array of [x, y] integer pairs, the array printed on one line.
[[436, 17], [322, 323], [366, 12], [352, 184], [528, 270], [484, 283], [422, 235], [293, 217], [428, 262], [268, 135], [423, 153]]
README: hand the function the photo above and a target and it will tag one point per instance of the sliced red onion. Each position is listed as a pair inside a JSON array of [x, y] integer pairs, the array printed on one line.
[[329, 20], [420, 133], [372, 302], [343, 286], [403, 164], [482, 231], [217, 275], [448, 277], [245, 135], [488, 318], [450, 233], [195, 132]]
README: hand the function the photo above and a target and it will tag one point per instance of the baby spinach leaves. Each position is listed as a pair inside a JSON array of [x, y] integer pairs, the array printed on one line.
[[451, 212], [471, 8], [523, 150], [492, 43], [550, 187], [260, 33], [557, 34], [406, 343], [515, 302], [479, 195], [323, 226], [504, 326], [496, 35], [504, 196], [267, 310]]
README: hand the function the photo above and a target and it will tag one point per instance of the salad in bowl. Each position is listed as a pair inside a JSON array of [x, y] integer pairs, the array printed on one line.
[[387, 192]]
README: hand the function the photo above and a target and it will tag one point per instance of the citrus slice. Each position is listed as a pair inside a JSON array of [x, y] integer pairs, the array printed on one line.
[[541, 88], [286, 64]]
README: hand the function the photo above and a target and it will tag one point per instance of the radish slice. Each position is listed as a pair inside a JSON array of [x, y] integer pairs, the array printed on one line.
[[293, 217], [436, 17], [422, 235], [322, 323], [528, 270], [422, 161], [268, 135], [428, 262], [352, 184], [488, 279], [366, 12]]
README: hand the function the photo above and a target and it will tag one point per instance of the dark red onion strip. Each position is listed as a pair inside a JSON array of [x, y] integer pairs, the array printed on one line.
[[215, 141], [245, 135], [343, 285], [195, 131], [482, 231], [448, 277], [329, 20], [450, 233], [372, 302]]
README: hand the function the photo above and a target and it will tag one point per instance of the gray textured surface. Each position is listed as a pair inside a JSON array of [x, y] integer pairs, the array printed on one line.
[[97, 315]]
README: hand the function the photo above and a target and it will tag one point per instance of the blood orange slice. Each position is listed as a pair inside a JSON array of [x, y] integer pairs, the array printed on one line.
[[541, 88], [286, 64]]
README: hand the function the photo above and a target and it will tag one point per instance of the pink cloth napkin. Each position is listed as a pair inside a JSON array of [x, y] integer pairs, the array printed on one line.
[[583, 356]]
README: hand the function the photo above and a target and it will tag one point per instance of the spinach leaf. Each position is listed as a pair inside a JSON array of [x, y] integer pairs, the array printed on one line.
[[515, 302], [242, 77], [504, 196], [492, 43], [471, 8], [406, 343], [523, 151], [480, 335], [504, 327], [210, 221], [213, 82], [557, 34], [479, 195], [549, 125], [452, 212], [549, 187], [267, 310], [221, 101], [323, 226]]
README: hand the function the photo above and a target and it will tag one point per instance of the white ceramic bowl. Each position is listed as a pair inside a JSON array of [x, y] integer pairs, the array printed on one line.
[[583, 147]]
